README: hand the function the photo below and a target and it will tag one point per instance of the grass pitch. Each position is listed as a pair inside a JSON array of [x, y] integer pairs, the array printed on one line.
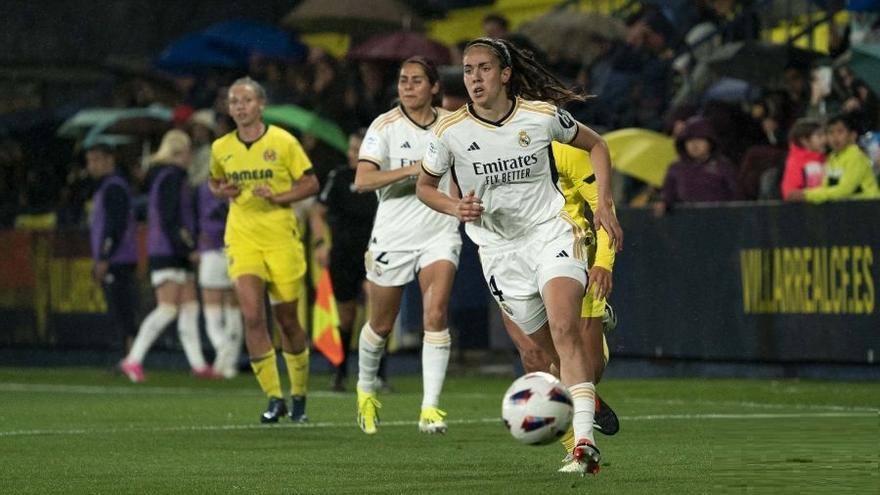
[[76, 430]]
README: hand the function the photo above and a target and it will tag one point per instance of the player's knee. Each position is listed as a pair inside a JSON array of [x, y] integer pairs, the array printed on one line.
[[253, 319], [288, 322], [565, 330], [168, 311], [434, 319], [534, 359]]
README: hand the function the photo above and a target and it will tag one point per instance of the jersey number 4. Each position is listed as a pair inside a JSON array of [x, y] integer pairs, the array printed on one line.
[[495, 290]]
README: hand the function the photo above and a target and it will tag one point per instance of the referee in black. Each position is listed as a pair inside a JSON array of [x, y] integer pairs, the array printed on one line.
[[349, 214]]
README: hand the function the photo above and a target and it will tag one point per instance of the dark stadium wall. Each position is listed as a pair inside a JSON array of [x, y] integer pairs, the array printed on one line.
[[747, 283], [770, 282]]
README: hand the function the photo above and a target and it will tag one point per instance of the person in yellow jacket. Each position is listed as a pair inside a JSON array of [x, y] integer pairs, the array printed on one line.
[[848, 172], [578, 185]]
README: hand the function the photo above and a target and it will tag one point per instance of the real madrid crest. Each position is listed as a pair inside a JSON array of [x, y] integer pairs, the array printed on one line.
[[524, 138], [269, 155]]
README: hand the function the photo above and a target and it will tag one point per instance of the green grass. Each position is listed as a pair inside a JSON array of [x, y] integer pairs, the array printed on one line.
[[87, 431]]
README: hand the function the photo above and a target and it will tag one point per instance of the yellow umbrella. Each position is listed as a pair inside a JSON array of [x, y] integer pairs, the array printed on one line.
[[641, 153]]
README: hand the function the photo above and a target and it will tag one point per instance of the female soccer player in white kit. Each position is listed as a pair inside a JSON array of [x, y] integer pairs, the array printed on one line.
[[408, 240], [498, 150]]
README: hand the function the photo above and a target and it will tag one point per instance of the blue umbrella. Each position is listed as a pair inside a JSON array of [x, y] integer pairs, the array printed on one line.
[[731, 91], [249, 38], [198, 51]]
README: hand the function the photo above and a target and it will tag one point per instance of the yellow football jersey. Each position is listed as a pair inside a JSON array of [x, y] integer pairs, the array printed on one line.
[[578, 185], [276, 159]]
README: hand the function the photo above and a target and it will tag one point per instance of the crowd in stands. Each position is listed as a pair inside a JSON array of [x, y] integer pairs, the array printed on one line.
[[736, 142]]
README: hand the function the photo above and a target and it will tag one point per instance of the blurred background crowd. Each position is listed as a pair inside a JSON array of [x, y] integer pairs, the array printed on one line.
[[740, 73]]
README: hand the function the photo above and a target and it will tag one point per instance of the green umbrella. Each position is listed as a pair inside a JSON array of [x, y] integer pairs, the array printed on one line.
[[84, 120], [865, 64], [294, 117], [114, 126]]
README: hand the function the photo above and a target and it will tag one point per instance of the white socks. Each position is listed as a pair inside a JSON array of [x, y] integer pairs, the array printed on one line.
[[188, 330], [226, 336], [227, 359], [214, 326], [149, 331], [435, 358], [584, 397], [370, 349]]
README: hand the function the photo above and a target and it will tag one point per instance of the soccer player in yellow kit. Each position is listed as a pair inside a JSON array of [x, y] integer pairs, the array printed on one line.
[[578, 185], [262, 170]]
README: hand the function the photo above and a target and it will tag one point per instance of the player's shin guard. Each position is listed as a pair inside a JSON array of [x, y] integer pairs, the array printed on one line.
[[298, 371], [150, 329], [583, 396], [435, 359], [370, 348], [266, 371]]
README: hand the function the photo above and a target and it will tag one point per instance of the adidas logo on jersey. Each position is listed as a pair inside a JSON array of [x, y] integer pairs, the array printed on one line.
[[406, 145], [474, 146], [562, 254]]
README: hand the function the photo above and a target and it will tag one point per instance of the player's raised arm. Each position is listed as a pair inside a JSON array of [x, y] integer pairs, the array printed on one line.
[[604, 215]]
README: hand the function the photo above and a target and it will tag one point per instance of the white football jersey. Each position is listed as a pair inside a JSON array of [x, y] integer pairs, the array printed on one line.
[[402, 221], [508, 164]]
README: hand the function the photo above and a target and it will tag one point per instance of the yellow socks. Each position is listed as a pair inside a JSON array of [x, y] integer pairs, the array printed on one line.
[[298, 370], [266, 371]]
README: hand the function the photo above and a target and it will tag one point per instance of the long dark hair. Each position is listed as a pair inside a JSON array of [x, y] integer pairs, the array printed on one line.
[[528, 78]]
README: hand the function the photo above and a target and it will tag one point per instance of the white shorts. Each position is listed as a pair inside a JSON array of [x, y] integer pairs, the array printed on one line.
[[517, 272], [176, 275], [398, 268], [213, 270]]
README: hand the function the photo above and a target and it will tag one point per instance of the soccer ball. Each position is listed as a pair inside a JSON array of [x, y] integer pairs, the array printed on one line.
[[537, 408]]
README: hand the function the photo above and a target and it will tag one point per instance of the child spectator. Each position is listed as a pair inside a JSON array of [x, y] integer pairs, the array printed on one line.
[[805, 163], [848, 174], [701, 174]]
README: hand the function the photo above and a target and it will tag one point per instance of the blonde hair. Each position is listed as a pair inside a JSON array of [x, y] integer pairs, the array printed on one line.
[[174, 143], [254, 85]]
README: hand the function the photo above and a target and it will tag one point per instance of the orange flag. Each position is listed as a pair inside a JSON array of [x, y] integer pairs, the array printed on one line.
[[325, 321]]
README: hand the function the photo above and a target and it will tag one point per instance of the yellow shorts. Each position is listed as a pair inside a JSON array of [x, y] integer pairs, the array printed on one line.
[[282, 269], [592, 308]]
